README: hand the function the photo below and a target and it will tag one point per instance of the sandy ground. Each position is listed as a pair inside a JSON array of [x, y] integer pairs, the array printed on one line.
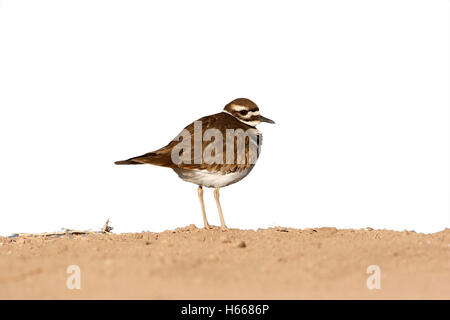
[[192, 263]]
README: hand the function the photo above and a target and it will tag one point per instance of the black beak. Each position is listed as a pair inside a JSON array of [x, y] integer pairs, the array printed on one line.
[[264, 119]]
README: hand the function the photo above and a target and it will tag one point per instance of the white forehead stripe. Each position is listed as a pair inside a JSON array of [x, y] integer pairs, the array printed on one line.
[[236, 107]]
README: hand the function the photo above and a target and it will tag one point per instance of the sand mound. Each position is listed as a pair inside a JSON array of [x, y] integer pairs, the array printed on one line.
[[192, 263]]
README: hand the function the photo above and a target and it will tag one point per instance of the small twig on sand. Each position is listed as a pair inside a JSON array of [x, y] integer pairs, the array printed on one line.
[[106, 228], [68, 232]]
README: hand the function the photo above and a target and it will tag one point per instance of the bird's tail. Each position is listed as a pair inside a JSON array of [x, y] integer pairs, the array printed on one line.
[[129, 161], [156, 158]]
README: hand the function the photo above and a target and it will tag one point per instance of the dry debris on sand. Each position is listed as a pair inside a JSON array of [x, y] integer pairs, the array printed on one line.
[[193, 263]]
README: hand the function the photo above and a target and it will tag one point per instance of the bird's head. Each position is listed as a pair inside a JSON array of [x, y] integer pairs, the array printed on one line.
[[246, 111]]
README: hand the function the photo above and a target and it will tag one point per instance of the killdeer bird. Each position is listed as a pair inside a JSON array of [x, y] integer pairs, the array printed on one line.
[[214, 151]]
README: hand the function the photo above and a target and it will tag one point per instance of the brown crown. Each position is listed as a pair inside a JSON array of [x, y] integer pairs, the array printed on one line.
[[244, 102]]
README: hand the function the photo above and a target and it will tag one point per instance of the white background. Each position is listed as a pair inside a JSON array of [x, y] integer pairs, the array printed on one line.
[[359, 91]]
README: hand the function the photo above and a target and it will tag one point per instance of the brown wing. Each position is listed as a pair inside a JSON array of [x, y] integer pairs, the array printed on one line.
[[221, 122]]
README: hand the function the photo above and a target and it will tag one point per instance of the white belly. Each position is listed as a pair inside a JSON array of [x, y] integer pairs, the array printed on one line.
[[211, 179]]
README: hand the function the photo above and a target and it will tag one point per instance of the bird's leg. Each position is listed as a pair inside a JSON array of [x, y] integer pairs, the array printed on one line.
[[222, 221], [200, 196]]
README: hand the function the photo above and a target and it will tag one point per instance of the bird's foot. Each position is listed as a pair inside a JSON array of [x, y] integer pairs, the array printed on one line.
[[208, 227]]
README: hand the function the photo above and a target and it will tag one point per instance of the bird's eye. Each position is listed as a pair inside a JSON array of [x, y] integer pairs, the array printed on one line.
[[243, 112]]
